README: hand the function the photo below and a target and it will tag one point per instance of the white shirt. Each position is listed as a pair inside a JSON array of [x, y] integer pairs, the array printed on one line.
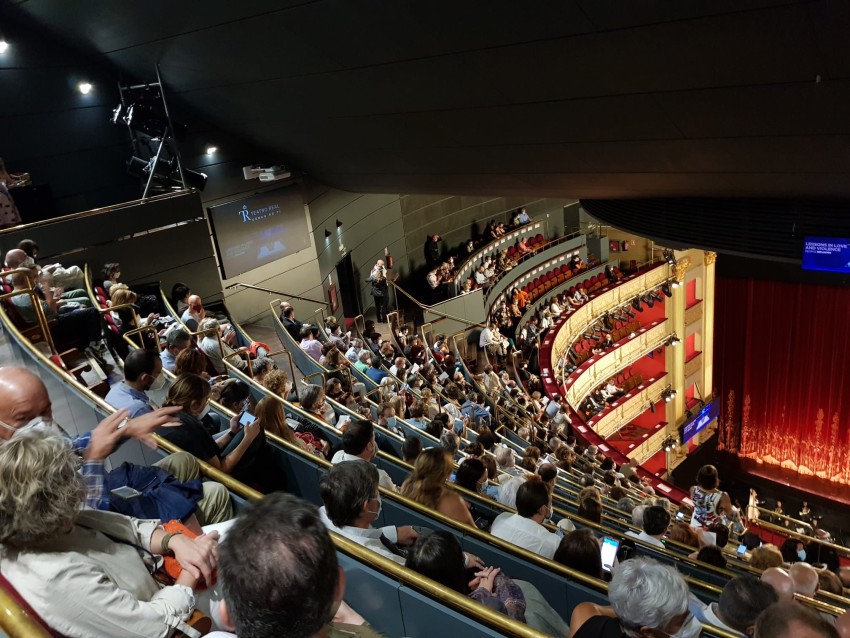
[[384, 479], [646, 538], [368, 538], [485, 338], [353, 354], [480, 278], [525, 533]]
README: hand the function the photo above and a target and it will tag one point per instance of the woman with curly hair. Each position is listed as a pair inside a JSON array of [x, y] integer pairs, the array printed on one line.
[[427, 485], [82, 570]]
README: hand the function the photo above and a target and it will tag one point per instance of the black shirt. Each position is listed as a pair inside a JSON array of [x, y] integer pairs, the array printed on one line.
[[191, 436]]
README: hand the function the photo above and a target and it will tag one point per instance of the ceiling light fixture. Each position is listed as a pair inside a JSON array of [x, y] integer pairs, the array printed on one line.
[[85, 87], [211, 149], [4, 46], [327, 233]]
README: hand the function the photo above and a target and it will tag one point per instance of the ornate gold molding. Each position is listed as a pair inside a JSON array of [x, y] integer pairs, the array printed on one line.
[[680, 268], [710, 257]]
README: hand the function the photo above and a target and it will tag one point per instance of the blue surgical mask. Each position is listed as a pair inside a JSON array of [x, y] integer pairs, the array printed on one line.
[[391, 423], [801, 554], [38, 423]]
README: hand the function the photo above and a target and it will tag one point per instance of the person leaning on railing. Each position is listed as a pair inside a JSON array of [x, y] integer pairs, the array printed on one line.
[[81, 570]]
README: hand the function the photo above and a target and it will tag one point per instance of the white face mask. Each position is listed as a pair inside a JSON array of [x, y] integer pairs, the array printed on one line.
[[158, 383], [204, 412], [38, 423]]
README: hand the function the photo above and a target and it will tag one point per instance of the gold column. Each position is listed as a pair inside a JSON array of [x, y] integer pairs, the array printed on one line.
[[675, 355], [708, 284]]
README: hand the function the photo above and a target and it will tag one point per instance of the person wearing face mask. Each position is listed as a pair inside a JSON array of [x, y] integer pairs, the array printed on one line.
[[238, 451], [742, 600], [648, 600], [352, 503], [359, 444], [142, 372], [525, 528], [25, 404], [387, 418]]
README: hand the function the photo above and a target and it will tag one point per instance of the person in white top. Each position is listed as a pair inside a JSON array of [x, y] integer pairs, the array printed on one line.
[[525, 528], [352, 503], [359, 444], [656, 519]]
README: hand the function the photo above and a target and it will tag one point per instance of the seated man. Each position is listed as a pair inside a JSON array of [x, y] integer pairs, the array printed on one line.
[[79, 326], [194, 313], [216, 350], [310, 344], [280, 576], [784, 620], [480, 276], [352, 503], [655, 521], [742, 600], [291, 324], [338, 337], [525, 528], [359, 444], [142, 372], [433, 278], [176, 340], [353, 352], [375, 372], [71, 278], [25, 403]]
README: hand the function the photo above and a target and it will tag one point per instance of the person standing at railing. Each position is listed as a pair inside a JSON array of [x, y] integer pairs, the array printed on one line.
[[432, 251], [380, 289]]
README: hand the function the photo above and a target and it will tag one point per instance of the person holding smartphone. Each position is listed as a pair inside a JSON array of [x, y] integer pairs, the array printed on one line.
[[240, 451]]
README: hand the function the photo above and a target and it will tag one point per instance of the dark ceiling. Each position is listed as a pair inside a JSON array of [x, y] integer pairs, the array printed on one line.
[[581, 98]]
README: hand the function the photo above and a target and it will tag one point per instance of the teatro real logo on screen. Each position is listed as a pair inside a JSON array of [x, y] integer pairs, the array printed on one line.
[[259, 213]]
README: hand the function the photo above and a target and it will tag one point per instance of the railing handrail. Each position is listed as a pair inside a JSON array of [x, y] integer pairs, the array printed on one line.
[[95, 211], [442, 315], [490, 244], [277, 292]]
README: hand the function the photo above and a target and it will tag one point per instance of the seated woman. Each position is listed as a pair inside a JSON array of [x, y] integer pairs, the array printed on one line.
[[471, 473], [191, 361], [427, 485], [82, 571], [580, 550], [647, 599], [312, 402], [239, 451], [522, 247], [272, 420], [180, 297], [440, 557]]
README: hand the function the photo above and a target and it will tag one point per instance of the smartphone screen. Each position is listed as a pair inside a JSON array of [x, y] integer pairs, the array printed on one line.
[[609, 552], [246, 419], [742, 549]]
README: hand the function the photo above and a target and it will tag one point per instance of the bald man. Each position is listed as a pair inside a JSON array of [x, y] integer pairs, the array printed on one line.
[[805, 579], [781, 582], [194, 313], [25, 403]]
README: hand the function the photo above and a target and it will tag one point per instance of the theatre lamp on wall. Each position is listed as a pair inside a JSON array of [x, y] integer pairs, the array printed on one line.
[[668, 394]]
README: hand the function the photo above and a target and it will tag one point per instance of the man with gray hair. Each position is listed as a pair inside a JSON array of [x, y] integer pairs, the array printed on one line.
[[216, 349], [742, 600], [353, 353], [647, 599], [176, 340], [506, 462]]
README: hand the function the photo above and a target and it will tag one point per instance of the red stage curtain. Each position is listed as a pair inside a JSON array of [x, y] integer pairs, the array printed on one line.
[[782, 363]]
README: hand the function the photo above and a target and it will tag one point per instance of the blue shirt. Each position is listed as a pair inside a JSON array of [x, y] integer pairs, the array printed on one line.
[[419, 423], [168, 360], [376, 374], [123, 396]]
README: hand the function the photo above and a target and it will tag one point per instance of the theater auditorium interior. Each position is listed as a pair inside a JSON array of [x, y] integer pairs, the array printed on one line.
[[530, 317]]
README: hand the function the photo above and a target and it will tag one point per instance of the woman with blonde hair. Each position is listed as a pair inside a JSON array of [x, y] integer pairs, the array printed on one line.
[[272, 420], [427, 485], [81, 570]]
